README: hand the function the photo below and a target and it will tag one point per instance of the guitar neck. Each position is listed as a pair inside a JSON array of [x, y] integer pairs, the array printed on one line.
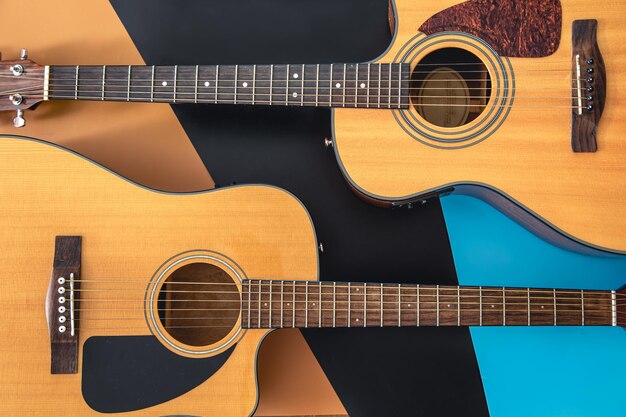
[[325, 85], [277, 304]]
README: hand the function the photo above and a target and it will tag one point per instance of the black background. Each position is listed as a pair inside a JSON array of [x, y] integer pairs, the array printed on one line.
[[376, 372]]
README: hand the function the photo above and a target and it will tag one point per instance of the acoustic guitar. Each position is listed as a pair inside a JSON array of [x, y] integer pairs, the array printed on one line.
[[520, 103], [87, 256]]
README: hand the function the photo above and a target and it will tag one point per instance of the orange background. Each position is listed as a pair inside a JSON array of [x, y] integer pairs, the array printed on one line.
[[145, 143]]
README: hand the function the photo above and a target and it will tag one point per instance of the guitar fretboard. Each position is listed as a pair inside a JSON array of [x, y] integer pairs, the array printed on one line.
[[327, 85], [278, 304]]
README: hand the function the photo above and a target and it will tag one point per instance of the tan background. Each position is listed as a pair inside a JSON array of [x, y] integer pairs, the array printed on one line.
[[145, 143]]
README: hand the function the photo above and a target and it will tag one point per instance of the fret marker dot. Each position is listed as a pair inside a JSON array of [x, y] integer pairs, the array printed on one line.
[[164, 83], [409, 305], [264, 304], [357, 320], [338, 85], [492, 306], [362, 85], [541, 306], [288, 304], [357, 289], [295, 75], [245, 84], [313, 304], [448, 305], [206, 83], [295, 94]]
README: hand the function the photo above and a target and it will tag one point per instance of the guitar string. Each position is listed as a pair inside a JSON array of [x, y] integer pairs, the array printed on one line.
[[599, 308], [340, 105], [484, 293], [124, 92], [123, 96], [356, 301], [362, 285]]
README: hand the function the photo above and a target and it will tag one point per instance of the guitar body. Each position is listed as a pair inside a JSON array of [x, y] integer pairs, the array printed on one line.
[[128, 234], [517, 154]]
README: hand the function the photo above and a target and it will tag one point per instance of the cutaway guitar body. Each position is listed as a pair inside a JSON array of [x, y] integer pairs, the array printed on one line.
[[131, 235], [499, 100]]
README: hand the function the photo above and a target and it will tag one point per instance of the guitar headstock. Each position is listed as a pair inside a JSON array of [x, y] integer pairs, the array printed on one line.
[[22, 86]]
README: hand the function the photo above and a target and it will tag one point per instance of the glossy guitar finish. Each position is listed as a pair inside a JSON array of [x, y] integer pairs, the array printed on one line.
[[528, 158], [523, 113], [127, 232], [208, 275]]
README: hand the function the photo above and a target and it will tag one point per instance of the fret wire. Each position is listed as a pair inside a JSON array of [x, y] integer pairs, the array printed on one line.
[[128, 85], [249, 303], [399, 304], [76, 87], [365, 305], [480, 305], [302, 87], [503, 307], [330, 87], [217, 72], [306, 304], [369, 68], [270, 315], [389, 100], [380, 71], [317, 86], [174, 94], [293, 306], [417, 305], [344, 86], [381, 305], [399, 85], [253, 84], [319, 322], [528, 305], [104, 71], [458, 306], [437, 305], [582, 307], [236, 83], [334, 303], [356, 86], [195, 90], [152, 86], [554, 295], [282, 323], [348, 304], [271, 83], [287, 86], [259, 304]]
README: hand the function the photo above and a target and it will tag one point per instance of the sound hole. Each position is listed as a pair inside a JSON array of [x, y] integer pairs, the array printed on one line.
[[450, 87], [199, 304]]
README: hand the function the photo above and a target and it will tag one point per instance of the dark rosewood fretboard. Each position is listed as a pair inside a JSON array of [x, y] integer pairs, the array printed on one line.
[[334, 85], [277, 304]]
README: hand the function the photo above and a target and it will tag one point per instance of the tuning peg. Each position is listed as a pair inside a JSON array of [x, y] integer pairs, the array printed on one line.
[[19, 121], [23, 54]]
